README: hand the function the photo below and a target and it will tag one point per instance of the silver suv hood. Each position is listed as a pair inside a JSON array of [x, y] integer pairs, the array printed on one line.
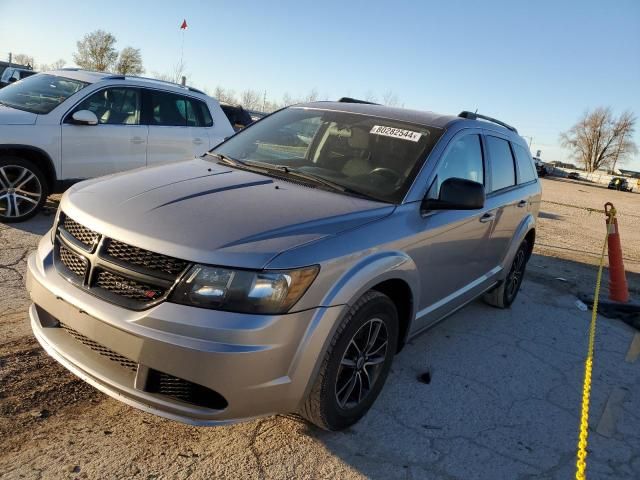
[[204, 212], [13, 116]]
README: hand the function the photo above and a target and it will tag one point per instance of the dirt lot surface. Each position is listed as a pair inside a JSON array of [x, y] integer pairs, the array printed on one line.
[[503, 400]]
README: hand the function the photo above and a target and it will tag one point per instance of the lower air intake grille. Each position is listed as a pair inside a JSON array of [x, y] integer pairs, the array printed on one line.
[[185, 391], [101, 349], [128, 288]]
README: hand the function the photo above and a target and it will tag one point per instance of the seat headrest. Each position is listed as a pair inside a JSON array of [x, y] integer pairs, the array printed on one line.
[[359, 138]]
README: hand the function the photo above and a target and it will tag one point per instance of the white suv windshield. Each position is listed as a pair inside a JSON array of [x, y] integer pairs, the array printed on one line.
[[374, 156], [40, 93]]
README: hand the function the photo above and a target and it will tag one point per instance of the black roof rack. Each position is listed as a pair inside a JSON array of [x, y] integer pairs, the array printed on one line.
[[114, 77], [476, 116], [355, 100]]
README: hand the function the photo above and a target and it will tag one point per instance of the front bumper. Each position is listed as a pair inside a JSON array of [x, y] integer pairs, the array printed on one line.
[[254, 365]]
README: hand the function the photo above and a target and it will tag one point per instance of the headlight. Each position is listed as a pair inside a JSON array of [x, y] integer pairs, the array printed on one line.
[[266, 292]]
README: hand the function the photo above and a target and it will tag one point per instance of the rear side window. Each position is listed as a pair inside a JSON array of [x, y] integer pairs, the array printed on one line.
[[167, 109], [503, 174], [198, 114], [462, 160], [526, 170]]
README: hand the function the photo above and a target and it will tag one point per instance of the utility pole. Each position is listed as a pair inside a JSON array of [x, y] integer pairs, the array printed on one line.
[[264, 101], [10, 57]]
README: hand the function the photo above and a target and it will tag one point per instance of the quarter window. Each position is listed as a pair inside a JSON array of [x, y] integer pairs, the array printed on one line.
[[198, 114], [526, 170], [502, 169], [114, 106], [462, 160]]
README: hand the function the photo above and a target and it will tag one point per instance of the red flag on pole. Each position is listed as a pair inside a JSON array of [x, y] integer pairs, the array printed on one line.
[[184, 25]]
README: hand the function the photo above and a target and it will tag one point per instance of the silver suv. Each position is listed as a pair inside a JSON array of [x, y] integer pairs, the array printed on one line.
[[283, 270]]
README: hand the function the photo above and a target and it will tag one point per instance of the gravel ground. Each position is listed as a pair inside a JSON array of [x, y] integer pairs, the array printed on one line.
[[503, 400]]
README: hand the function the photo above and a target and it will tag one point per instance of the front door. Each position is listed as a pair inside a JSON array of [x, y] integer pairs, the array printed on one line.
[[117, 143], [451, 250]]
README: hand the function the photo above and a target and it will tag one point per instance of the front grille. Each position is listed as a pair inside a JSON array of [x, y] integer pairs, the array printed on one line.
[[81, 233], [123, 274], [128, 288], [183, 390], [77, 264], [144, 258], [101, 349]]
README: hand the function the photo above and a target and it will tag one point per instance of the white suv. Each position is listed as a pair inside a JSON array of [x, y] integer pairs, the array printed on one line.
[[63, 126]]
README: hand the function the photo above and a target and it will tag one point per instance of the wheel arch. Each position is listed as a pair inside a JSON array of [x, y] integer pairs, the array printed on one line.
[[525, 231], [37, 156]]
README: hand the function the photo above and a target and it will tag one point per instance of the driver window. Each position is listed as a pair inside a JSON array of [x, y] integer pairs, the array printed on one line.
[[114, 106], [462, 160]]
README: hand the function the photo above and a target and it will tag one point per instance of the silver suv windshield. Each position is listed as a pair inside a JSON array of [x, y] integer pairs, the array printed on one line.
[[375, 157], [40, 93]]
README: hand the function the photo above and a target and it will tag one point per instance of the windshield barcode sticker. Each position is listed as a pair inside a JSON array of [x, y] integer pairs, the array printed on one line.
[[396, 133]]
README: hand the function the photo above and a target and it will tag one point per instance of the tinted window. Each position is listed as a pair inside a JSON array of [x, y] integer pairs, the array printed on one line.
[[526, 170], [502, 171], [462, 160], [167, 109], [198, 114], [114, 106]]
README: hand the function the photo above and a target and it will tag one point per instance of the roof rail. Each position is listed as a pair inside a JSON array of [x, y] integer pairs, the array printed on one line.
[[476, 116], [137, 77], [114, 77], [355, 100]]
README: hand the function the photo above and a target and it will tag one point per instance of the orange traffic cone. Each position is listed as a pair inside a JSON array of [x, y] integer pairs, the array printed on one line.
[[618, 288]]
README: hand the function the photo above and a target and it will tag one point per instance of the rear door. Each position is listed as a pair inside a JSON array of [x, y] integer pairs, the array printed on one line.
[[508, 202], [199, 124], [170, 139], [117, 143]]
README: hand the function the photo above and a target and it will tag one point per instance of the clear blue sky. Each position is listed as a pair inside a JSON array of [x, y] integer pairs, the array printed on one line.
[[537, 64]]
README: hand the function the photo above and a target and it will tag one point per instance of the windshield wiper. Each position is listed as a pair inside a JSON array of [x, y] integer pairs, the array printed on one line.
[[222, 158], [328, 183]]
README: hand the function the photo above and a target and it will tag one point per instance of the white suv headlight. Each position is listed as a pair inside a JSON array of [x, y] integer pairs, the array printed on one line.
[[264, 292]]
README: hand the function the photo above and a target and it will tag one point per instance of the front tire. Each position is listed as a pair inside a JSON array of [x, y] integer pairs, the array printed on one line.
[[23, 189], [504, 294], [355, 365]]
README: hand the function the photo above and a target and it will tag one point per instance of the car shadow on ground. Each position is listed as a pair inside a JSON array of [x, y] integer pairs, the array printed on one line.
[[505, 391], [42, 222]]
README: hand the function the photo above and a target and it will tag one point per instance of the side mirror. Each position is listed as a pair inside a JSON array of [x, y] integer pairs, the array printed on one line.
[[13, 80], [457, 194], [84, 117]]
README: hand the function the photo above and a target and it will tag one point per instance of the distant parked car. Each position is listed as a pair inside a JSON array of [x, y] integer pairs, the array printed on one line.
[[13, 74], [238, 117], [256, 115], [574, 176], [619, 183], [67, 125], [541, 168]]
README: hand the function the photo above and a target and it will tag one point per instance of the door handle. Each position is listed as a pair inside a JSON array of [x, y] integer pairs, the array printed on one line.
[[197, 141], [137, 140], [487, 217], [522, 203]]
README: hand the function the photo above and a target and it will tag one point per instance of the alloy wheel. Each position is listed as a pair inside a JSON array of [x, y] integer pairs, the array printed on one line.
[[361, 363], [516, 273], [20, 191]]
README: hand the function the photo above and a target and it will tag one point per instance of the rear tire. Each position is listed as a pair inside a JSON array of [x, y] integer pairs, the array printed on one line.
[[504, 294], [355, 365], [23, 189]]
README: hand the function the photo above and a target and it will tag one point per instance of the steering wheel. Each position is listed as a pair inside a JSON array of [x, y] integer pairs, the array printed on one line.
[[387, 173]]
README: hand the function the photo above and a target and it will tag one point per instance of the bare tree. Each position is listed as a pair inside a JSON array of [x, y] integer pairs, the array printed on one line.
[[96, 51], [369, 96], [224, 95], [130, 62], [312, 96], [251, 99], [599, 139], [390, 99], [23, 59], [57, 65], [175, 75]]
